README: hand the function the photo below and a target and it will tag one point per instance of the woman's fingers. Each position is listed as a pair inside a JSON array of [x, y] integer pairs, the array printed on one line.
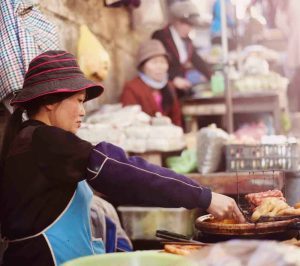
[[238, 216], [223, 207]]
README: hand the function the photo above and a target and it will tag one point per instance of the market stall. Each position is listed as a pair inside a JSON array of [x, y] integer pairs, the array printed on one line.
[[247, 103]]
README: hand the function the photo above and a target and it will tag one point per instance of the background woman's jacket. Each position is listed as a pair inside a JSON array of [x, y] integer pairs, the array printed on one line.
[[138, 92]]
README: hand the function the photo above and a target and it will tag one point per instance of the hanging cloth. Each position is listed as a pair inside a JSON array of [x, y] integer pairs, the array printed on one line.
[[24, 34]]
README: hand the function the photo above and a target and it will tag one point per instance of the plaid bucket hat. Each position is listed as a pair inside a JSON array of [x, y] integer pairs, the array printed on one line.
[[54, 72]]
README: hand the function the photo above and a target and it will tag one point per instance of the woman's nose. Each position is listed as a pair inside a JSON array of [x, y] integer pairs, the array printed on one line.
[[162, 67], [82, 111]]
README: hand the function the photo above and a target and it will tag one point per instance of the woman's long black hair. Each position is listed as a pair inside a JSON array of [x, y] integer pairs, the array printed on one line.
[[31, 108]]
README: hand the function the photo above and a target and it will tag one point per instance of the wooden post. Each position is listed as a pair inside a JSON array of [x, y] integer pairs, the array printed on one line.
[[228, 94]]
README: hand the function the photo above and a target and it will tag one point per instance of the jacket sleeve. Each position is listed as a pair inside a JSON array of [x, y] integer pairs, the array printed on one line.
[[176, 115], [132, 180], [157, 35], [201, 65], [128, 97]]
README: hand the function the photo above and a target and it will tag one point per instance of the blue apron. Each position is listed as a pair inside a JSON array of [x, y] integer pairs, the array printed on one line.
[[70, 236]]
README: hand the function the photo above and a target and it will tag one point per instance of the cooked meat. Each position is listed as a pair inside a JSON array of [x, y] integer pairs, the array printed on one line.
[[182, 249], [255, 199], [272, 207]]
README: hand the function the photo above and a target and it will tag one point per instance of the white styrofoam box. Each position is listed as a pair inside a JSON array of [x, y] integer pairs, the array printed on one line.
[[164, 144], [119, 116], [135, 145], [142, 222], [137, 132], [95, 133], [168, 131]]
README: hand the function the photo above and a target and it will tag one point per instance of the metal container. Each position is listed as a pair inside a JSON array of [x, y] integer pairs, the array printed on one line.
[[142, 222], [292, 187]]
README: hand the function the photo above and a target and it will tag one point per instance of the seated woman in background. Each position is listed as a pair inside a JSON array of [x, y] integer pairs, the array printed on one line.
[[151, 89]]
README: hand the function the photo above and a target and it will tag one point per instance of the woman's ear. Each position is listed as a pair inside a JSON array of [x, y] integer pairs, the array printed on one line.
[[49, 107]]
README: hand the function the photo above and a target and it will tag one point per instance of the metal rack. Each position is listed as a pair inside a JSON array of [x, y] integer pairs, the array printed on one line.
[[259, 181], [262, 157]]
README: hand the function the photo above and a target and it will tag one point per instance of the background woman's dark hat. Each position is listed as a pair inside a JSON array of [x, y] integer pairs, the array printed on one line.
[[54, 72]]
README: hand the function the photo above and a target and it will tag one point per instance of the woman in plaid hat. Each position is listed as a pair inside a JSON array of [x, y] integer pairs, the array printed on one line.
[[47, 171]]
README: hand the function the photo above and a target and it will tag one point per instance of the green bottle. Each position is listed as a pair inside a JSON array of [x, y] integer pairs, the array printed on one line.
[[217, 83]]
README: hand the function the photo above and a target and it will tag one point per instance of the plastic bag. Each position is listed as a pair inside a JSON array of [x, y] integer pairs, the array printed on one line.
[[93, 59], [210, 141], [183, 164], [248, 253]]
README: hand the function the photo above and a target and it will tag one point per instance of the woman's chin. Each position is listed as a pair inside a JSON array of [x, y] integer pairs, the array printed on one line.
[[159, 79]]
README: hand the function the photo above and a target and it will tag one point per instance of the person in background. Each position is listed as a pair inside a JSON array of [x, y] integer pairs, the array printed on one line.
[[216, 30], [184, 59], [288, 21], [47, 172], [105, 224], [151, 89]]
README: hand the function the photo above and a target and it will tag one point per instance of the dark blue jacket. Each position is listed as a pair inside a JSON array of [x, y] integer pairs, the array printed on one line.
[[46, 166]]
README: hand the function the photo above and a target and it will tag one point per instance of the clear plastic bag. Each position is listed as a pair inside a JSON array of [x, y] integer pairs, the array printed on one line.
[[210, 141]]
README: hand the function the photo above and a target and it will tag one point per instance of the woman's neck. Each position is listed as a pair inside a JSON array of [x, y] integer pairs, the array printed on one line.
[[42, 117]]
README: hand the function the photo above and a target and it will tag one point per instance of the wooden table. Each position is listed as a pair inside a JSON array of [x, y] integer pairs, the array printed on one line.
[[243, 103], [226, 182]]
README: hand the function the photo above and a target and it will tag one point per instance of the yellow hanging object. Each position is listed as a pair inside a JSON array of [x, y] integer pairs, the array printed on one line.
[[93, 59]]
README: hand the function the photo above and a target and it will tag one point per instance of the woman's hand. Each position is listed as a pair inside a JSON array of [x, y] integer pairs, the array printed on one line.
[[223, 207], [182, 83]]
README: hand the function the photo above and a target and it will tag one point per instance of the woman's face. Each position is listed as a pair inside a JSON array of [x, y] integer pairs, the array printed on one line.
[[183, 28], [68, 114], [156, 68]]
